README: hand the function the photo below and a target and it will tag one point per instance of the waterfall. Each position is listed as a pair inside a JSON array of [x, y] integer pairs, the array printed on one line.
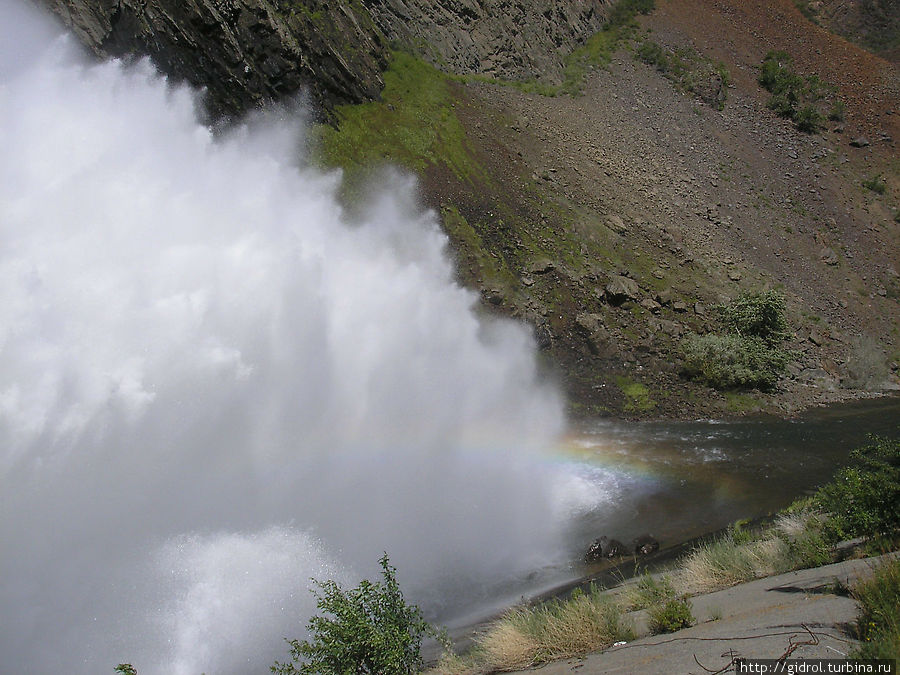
[[215, 385]]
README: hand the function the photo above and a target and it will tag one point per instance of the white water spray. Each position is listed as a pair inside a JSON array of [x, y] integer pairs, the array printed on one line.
[[212, 387]]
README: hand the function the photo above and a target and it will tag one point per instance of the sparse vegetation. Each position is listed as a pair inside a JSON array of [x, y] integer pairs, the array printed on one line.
[[690, 71], [365, 630], [671, 616], [599, 48], [748, 355], [414, 126], [875, 184], [803, 100]]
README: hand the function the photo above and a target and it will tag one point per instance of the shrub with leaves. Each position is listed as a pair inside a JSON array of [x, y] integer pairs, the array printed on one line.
[[863, 499], [748, 356], [367, 630], [757, 315], [796, 97], [878, 625], [674, 615], [732, 361]]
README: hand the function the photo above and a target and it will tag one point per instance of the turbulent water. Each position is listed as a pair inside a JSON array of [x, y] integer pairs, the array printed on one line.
[[213, 386]]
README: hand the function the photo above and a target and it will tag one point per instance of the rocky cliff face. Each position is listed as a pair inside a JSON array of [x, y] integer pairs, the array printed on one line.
[[504, 38], [245, 52]]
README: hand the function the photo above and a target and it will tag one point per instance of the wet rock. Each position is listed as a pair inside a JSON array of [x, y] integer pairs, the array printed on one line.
[[645, 544], [605, 548]]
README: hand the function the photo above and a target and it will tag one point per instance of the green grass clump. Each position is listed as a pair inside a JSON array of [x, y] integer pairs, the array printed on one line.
[[637, 396], [800, 99], [671, 616], [875, 184], [414, 125], [878, 625], [649, 591]]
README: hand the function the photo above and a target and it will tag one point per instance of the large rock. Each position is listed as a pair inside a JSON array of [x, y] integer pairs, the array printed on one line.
[[620, 289], [596, 335]]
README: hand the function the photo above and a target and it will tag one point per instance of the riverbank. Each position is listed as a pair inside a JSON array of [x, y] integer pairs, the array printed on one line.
[[802, 614]]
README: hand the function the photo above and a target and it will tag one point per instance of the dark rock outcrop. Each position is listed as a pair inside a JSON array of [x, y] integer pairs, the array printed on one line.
[[645, 544], [243, 52], [247, 52], [605, 548]]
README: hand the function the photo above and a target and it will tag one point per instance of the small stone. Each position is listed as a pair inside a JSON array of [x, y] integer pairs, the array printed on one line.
[[679, 306], [734, 275], [651, 305], [541, 266], [859, 142]]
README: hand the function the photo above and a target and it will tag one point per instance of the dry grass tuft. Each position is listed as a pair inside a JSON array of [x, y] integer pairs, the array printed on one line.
[[725, 563], [555, 630]]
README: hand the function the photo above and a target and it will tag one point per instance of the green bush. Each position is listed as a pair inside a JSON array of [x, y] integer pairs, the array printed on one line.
[[875, 184], [730, 361], [878, 625], [652, 54], [795, 97], [624, 11], [748, 356], [809, 120], [674, 615], [864, 499], [367, 630], [757, 315]]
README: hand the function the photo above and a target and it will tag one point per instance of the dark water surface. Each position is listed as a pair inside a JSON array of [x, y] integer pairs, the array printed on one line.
[[680, 480]]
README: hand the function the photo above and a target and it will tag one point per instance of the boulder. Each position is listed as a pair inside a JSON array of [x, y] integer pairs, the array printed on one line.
[[596, 335], [620, 289], [645, 544], [605, 548]]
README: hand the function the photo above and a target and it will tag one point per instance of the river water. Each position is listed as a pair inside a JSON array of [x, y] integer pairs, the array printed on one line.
[[678, 480]]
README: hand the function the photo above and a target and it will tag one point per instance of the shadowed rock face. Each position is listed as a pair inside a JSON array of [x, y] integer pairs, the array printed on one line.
[[246, 52]]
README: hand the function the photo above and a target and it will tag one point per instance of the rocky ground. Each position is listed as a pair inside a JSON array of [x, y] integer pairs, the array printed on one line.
[[639, 207]]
